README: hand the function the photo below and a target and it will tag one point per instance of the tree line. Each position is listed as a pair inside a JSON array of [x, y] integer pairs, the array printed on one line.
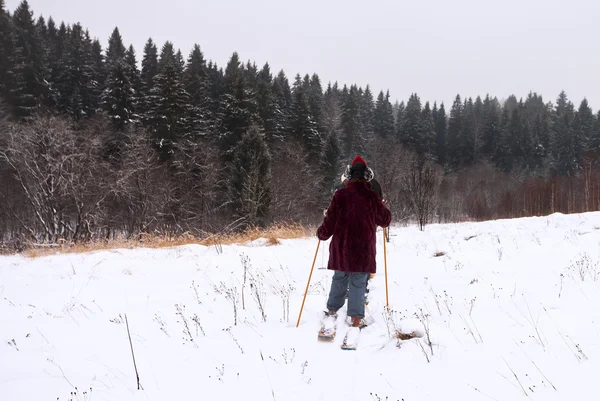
[[98, 143]]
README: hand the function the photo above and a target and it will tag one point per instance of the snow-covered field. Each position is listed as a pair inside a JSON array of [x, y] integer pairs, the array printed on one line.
[[512, 311]]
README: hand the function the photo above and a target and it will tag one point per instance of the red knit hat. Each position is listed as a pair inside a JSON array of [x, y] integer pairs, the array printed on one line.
[[359, 159]]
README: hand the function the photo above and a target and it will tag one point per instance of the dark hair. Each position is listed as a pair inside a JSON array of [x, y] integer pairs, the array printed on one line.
[[357, 171]]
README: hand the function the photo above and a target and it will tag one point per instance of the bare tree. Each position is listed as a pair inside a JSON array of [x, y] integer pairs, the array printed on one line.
[[391, 162], [197, 174], [295, 185], [141, 191], [58, 172], [420, 190]]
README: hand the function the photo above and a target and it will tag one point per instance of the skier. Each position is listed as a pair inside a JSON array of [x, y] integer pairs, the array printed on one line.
[[375, 187], [352, 218]]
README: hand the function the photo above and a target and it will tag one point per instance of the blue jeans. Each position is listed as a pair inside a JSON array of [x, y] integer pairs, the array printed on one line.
[[356, 293]]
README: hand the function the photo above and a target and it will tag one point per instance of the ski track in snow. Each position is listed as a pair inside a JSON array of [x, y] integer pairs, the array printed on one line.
[[511, 310]]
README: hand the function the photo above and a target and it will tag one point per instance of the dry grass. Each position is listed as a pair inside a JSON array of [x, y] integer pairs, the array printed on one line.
[[273, 241], [407, 336], [272, 234]]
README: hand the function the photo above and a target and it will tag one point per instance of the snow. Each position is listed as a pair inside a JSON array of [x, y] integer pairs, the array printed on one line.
[[511, 310]]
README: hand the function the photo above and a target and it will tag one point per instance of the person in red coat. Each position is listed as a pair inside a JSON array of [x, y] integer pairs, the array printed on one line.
[[351, 221]]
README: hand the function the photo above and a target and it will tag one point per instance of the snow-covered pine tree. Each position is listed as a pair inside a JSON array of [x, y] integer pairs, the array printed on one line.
[[99, 66], [563, 137], [455, 126], [492, 113], [6, 53], [383, 117], [28, 69], [118, 99], [133, 74], [502, 151], [266, 102], [352, 140], [57, 39], [315, 101], [304, 127], [237, 108], [169, 111], [196, 83], [427, 138], [584, 125], [116, 49], [282, 95], [251, 184], [148, 73], [441, 123], [76, 84], [411, 128]]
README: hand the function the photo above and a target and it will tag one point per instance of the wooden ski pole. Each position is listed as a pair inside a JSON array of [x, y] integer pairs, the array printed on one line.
[[308, 283], [387, 303]]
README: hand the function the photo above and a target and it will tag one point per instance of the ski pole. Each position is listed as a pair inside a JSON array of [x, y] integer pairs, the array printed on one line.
[[308, 283], [387, 303]]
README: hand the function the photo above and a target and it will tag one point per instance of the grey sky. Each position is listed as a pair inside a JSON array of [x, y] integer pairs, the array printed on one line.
[[437, 48]]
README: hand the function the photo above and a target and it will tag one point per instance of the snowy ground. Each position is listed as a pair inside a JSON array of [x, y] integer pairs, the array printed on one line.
[[511, 309]]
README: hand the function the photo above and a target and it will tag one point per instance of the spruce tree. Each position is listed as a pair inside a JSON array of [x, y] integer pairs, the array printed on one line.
[[383, 117], [400, 117], [440, 135], [502, 155], [455, 128], [216, 90], [77, 87], [148, 74], [315, 101], [168, 58], [250, 72], [169, 111], [196, 84], [179, 62], [282, 117], [467, 141], [492, 113], [238, 108], [100, 71], [410, 133], [133, 74], [116, 49], [367, 110], [251, 182], [584, 125], [28, 68], [563, 137], [58, 39], [118, 98], [353, 142], [427, 135], [6, 53], [304, 127], [594, 143], [266, 102]]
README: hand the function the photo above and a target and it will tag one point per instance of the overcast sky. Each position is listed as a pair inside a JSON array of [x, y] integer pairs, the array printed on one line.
[[437, 48]]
